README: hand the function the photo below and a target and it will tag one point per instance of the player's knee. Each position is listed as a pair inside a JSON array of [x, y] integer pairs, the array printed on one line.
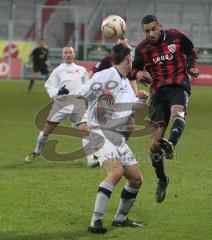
[[117, 174], [49, 128], [177, 112], [45, 133], [84, 133], [155, 145], [84, 130], [136, 182]]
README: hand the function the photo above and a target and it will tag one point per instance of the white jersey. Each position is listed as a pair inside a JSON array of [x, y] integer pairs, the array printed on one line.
[[122, 91], [69, 75]]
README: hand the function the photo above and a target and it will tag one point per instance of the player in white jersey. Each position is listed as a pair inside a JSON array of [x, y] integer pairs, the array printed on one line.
[[63, 85], [112, 101]]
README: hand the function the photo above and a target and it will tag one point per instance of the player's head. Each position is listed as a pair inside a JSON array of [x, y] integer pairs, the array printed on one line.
[[152, 28], [42, 42], [122, 55], [68, 54]]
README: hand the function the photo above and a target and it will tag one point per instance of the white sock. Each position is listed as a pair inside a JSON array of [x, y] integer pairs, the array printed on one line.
[[102, 198], [88, 152], [42, 138]]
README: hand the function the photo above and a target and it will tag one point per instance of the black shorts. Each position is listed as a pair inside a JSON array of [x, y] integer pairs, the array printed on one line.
[[163, 100], [43, 69]]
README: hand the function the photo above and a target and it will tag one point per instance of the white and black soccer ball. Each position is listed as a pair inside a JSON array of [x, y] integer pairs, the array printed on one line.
[[113, 26]]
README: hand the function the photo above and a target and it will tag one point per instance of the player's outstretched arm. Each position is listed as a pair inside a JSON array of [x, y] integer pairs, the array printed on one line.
[[144, 77]]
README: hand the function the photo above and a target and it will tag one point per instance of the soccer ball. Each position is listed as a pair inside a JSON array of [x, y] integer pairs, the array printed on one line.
[[113, 26]]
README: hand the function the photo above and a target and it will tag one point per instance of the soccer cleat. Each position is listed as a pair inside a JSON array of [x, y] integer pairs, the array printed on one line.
[[168, 148], [126, 223], [31, 157], [97, 227], [161, 190]]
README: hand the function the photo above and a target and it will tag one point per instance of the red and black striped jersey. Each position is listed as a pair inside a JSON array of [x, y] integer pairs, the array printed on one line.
[[105, 63], [167, 61]]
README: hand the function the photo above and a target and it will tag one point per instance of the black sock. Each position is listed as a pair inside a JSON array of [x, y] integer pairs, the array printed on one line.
[[31, 82], [127, 200], [177, 129], [157, 163]]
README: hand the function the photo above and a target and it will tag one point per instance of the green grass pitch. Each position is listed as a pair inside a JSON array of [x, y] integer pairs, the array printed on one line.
[[54, 200]]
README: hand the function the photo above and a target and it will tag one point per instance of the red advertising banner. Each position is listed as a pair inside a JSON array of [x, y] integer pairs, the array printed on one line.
[[10, 69], [87, 64], [205, 77]]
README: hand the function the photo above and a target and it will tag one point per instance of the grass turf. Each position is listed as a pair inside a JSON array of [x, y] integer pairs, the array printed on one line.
[[54, 200]]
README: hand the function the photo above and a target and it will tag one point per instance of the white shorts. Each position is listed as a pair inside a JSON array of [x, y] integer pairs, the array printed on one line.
[[111, 145], [68, 107]]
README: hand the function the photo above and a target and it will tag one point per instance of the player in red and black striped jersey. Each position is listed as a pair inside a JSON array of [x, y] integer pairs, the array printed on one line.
[[165, 59], [105, 63]]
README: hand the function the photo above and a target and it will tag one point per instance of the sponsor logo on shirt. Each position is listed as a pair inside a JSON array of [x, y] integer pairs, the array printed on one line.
[[172, 48], [160, 59]]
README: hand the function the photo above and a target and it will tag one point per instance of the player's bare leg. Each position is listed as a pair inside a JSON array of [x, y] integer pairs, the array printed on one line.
[[42, 138], [156, 154], [32, 81]]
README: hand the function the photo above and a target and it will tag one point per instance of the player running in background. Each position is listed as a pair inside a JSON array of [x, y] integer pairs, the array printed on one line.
[[114, 154], [165, 59], [39, 60], [63, 83]]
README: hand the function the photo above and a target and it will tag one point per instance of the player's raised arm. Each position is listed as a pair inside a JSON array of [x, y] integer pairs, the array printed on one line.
[[191, 56]]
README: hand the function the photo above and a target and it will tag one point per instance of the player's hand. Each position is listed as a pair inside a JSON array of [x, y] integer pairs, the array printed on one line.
[[47, 63], [194, 72], [29, 66], [142, 94], [107, 94], [144, 77], [123, 40], [63, 90]]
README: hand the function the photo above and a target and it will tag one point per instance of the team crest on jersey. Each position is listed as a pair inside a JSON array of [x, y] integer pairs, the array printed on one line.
[[172, 48]]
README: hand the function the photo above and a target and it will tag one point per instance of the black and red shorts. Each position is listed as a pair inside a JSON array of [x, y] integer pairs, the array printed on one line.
[[163, 100]]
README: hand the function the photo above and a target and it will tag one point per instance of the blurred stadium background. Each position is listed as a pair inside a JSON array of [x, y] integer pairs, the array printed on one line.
[[77, 23]]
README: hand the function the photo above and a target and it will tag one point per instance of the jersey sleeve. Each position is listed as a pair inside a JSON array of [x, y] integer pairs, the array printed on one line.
[[51, 84], [137, 64], [85, 76], [189, 50], [31, 56], [47, 54]]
